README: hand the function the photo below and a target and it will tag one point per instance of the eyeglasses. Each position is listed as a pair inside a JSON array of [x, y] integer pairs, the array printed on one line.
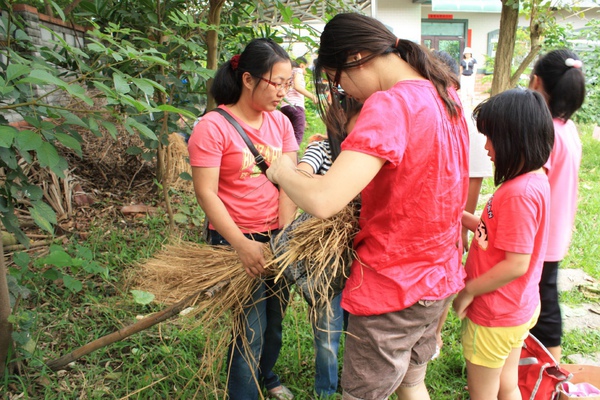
[[285, 87]]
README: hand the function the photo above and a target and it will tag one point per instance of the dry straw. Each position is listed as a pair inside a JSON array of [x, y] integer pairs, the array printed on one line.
[[185, 268]]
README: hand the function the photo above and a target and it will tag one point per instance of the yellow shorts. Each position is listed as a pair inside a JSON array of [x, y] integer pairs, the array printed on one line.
[[490, 346]]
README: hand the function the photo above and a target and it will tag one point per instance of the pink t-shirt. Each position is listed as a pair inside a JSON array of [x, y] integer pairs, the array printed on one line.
[[408, 245], [563, 170], [515, 219], [294, 97], [251, 200]]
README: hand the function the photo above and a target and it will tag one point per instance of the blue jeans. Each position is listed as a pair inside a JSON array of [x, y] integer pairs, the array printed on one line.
[[327, 332], [263, 316]]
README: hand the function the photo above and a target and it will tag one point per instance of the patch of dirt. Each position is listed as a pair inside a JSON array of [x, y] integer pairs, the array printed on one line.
[[583, 316]]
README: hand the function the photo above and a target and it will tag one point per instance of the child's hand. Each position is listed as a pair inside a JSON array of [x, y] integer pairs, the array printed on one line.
[[462, 301]]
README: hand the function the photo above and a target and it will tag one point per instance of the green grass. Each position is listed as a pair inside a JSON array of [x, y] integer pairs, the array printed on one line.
[[163, 362]]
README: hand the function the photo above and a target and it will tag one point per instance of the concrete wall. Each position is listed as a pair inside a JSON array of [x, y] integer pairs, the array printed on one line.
[[402, 16], [38, 28]]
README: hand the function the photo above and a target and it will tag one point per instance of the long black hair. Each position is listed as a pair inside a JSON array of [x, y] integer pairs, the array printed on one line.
[[519, 125], [258, 57], [564, 84], [351, 33]]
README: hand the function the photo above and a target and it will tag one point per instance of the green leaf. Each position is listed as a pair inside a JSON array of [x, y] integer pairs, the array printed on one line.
[[33, 192], [7, 134], [185, 176], [51, 274], [43, 77], [58, 10], [142, 129], [142, 297], [47, 155], [43, 215], [156, 60], [180, 218], [121, 85], [72, 284], [144, 86], [15, 70], [22, 259], [79, 92], [27, 140], [169, 108], [97, 47], [105, 89], [134, 150], [110, 127], [94, 127], [58, 258], [72, 119], [9, 158], [69, 141]]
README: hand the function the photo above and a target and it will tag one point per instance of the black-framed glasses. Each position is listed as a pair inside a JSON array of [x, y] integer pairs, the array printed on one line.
[[285, 86]]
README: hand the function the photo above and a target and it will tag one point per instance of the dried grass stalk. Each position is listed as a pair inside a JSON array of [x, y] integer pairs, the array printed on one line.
[[185, 268], [323, 249], [179, 163]]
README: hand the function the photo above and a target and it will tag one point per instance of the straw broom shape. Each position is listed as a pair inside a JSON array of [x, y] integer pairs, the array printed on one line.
[[323, 246]]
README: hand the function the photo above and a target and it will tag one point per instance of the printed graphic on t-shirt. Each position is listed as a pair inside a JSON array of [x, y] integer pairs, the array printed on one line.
[[249, 168], [481, 235]]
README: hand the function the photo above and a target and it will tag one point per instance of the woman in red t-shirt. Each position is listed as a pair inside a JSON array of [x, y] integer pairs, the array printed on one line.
[[407, 156], [243, 207]]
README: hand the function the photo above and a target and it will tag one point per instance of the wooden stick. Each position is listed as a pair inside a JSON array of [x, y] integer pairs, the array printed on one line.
[[121, 334]]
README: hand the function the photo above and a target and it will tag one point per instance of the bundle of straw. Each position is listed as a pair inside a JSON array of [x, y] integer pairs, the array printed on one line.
[[317, 253], [178, 163]]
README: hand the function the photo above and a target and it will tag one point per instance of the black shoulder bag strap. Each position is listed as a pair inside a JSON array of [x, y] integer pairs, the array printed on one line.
[[258, 158]]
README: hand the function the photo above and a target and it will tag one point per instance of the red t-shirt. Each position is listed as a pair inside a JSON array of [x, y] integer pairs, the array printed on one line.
[[409, 244], [251, 200], [515, 219]]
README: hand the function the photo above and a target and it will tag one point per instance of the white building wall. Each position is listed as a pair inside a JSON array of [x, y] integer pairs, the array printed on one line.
[[403, 16]]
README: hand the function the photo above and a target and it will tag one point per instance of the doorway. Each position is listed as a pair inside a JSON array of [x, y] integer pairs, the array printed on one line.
[[449, 44]]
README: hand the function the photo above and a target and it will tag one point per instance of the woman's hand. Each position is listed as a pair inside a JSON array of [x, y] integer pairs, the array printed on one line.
[[462, 301], [252, 257], [278, 165]]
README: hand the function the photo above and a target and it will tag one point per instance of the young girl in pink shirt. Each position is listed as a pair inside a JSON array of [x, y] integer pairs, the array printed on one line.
[[558, 76], [501, 300]]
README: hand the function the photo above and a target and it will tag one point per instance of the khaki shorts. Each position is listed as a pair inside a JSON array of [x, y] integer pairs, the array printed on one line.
[[490, 346], [386, 351]]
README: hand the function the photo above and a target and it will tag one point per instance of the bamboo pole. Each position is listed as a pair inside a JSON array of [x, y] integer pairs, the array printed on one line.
[[139, 326]]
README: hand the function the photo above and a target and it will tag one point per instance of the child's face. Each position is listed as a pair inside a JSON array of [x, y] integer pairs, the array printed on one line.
[[490, 149]]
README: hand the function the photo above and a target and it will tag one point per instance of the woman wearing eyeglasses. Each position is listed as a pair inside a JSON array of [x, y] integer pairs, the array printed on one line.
[[407, 156], [243, 207]]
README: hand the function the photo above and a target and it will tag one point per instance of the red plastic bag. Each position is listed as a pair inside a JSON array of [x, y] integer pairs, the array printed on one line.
[[540, 376]]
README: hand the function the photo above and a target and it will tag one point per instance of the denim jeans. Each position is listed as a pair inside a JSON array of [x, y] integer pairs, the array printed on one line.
[[263, 316], [327, 332]]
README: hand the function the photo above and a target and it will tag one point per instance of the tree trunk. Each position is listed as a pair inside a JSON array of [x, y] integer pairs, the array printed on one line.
[[535, 37], [69, 9], [5, 325], [506, 47], [212, 45]]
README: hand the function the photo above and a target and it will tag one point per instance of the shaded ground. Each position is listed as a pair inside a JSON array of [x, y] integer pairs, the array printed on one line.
[[584, 316]]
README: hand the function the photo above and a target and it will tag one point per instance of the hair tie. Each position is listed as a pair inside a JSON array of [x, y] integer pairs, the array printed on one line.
[[235, 61], [569, 62], [396, 44]]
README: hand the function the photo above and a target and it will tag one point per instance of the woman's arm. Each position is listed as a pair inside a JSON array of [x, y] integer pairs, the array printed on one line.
[[206, 187], [325, 197], [512, 267], [287, 208]]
